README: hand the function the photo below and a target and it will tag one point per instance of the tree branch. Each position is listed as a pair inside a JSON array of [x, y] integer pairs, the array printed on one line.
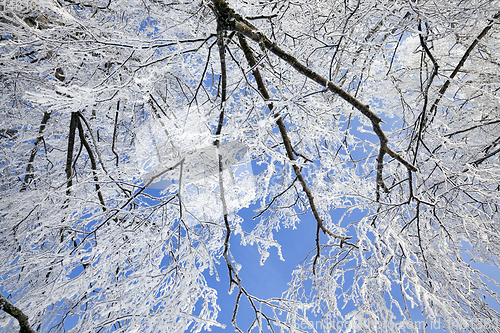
[[286, 140], [445, 86], [29, 168], [115, 130], [306, 71], [92, 162], [423, 115], [12, 310], [69, 155]]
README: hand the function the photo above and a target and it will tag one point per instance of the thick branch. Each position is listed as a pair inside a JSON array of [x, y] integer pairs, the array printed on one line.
[[380, 178], [222, 55], [304, 70], [16, 313], [71, 143], [286, 140]]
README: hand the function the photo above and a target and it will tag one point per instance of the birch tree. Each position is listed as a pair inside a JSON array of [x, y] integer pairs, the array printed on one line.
[[386, 112]]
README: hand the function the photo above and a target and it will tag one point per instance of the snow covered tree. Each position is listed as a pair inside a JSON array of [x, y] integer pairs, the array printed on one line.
[[386, 111]]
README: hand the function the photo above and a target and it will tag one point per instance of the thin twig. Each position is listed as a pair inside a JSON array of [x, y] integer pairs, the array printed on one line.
[[115, 132]]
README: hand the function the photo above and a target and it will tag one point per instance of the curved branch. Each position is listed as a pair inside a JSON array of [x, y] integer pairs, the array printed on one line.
[[16, 313], [258, 37], [286, 140]]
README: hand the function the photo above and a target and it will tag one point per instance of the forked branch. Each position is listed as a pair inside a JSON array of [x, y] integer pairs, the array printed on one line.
[[306, 71], [460, 64], [286, 140], [93, 163]]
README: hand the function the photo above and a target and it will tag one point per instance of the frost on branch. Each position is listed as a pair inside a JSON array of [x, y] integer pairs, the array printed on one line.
[[134, 132]]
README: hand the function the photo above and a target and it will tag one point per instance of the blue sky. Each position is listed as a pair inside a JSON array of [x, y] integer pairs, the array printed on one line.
[[266, 281], [271, 279]]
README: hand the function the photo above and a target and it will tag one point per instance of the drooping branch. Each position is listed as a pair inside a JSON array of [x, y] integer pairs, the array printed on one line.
[[286, 140], [15, 312], [218, 131], [232, 271], [309, 73]]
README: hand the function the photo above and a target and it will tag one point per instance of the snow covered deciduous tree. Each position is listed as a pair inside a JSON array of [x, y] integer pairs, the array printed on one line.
[[385, 111]]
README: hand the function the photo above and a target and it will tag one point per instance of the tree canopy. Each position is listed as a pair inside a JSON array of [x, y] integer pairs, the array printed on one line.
[[126, 132]]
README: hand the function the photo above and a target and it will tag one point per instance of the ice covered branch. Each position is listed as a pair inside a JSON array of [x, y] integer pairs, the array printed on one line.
[[16, 313], [309, 73], [462, 62], [29, 168], [286, 140]]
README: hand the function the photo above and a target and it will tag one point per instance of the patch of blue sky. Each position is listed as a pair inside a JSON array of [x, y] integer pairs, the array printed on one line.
[[271, 279]]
